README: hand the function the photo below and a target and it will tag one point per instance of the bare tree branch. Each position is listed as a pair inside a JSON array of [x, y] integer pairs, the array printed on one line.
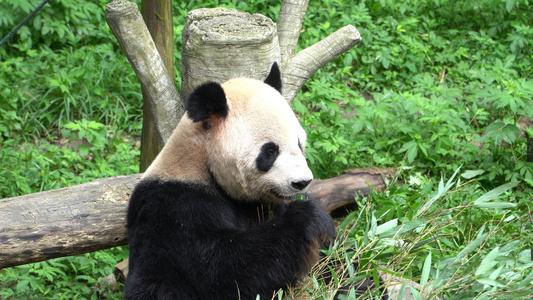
[[306, 62], [290, 20], [127, 25]]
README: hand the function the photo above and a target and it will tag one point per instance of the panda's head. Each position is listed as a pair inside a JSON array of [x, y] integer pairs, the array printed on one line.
[[254, 144]]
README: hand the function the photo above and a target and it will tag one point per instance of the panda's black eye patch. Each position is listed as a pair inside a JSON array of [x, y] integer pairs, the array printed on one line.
[[267, 156]]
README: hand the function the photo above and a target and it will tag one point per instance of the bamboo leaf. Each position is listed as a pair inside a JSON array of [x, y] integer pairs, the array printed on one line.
[[386, 226], [469, 174], [494, 193], [416, 293], [486, 263], [495, 205], [490, 282], [402, 290], [472, 245], [351, 295], [427, 241], [425, 271], [397, 230]]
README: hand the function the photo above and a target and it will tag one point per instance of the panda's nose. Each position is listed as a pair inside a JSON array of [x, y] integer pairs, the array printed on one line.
[[300, 185]]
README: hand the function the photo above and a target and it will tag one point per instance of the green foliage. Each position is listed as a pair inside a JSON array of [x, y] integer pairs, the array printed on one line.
[[435, 84], [48, 88], [431, 244], [78, 277], [434, 87], [50, 165], [58, 24]]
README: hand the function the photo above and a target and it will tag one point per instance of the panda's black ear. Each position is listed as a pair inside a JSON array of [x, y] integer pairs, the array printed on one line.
[[274, 77], [206, 100]]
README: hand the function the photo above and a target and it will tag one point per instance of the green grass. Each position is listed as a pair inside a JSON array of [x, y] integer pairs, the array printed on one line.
[[436, 89]]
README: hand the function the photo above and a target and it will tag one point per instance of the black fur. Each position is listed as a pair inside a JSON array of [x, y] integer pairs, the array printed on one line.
[[208, 99], [274, 77], [194, 242], [267, 157]]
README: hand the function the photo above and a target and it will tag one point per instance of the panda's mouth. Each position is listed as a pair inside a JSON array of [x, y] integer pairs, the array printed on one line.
[[282, 197]]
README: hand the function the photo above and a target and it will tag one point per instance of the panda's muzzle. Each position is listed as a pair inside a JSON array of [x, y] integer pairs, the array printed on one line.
[[297, 186]]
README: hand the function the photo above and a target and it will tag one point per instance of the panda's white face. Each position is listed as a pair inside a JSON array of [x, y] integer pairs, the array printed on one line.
[[257, 151]]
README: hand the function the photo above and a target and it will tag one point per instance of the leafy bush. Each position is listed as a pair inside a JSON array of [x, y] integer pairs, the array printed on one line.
[[33, 168], [58, 24], [76, 277], [421, 91]]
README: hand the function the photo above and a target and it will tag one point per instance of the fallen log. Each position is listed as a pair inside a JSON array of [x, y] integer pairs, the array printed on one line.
[[331, 194], [67, 221], [341, 190], [92, 216]]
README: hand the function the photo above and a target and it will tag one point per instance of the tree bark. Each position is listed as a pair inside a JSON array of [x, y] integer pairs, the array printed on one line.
[[67, 221], [157, 16], [127, 25], [290, 21], [339, 191], [306, 62]]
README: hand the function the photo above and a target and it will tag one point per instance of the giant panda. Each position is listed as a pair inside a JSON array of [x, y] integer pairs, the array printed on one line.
[[215, 216]]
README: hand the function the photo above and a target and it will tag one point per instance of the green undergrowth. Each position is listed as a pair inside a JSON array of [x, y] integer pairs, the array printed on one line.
[[440, 91], [447, 236]]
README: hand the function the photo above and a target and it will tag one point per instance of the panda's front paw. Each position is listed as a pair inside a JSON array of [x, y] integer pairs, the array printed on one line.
[[316, 223]]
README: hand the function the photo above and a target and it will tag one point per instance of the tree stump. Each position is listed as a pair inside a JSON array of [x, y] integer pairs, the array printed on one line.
[[220, 44]]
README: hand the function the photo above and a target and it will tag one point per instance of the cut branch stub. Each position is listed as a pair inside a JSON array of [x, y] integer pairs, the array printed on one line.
[[128, 26], [306, 62], [220, 44]]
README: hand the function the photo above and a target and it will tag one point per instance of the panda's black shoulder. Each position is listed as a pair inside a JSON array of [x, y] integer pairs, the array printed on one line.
[[154, 201], [159, 204]]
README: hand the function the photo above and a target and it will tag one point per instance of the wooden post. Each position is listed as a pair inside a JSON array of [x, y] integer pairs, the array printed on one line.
[[158, 18]]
